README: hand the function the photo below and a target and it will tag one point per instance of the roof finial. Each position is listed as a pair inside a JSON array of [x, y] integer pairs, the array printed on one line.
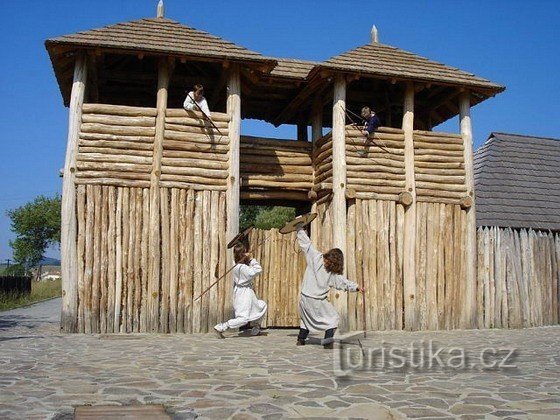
[[374, 36], [160, 9]]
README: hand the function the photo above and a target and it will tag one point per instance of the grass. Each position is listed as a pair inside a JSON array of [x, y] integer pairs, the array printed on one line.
[[40, 290]]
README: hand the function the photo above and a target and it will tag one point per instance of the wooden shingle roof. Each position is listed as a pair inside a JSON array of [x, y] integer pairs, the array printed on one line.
[[387, 61], [517, 182], [292, 68], [160, 35]]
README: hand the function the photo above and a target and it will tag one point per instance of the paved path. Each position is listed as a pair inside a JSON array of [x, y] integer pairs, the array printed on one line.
[[44, 374]]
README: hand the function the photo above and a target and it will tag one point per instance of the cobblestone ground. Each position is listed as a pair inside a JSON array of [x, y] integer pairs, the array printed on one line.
[[44, 374]]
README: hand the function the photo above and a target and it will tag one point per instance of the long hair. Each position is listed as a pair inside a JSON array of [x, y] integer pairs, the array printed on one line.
[[334, 261], [239, 254]]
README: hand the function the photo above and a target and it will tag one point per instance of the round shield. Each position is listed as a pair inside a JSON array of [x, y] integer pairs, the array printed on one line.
[[241, 237], [302, 220]]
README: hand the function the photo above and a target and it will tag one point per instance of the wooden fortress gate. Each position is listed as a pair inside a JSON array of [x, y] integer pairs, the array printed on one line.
[[151, 193]]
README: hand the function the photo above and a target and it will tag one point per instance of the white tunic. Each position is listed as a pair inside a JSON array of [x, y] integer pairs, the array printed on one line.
[[316, 313], [189, 104], [245, 303]]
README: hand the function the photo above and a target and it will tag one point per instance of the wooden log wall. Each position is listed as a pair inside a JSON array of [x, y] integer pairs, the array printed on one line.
[[115, 146], [518, 278], [280, 282], [268, 165], [114, 164], [439, 167], [322, 162], [195, 155], [375, 166], [375, 260]]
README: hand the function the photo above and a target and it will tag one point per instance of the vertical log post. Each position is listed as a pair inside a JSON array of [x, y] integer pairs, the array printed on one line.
[[68, 243], [316, 134], [339, 184], [469, 308], [154, 239], [232, 197], [409, 248], [302, 131]]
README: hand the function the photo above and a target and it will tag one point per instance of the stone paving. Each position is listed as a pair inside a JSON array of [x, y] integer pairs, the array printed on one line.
[[45, 374]]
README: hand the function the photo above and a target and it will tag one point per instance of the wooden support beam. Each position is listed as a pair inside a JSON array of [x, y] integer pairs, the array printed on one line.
[[316, 134], [409, 246], [302, 131], [469, 318], [339, 184], [154, 236], [233, 181], [315, 86], [68, 243]]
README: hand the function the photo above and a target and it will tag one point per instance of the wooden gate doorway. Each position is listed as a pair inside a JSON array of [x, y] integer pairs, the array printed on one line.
[[283, 266]]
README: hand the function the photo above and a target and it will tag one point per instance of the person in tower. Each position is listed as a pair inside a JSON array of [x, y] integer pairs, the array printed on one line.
[[195, 101], [323, 272], [248, 308], [371, 121]]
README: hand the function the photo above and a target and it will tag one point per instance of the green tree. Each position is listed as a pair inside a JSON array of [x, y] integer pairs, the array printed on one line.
[[37, 226], [249, 214], [275, 217]]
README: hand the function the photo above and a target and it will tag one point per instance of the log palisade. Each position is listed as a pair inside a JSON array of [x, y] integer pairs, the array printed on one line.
[[152, 193]]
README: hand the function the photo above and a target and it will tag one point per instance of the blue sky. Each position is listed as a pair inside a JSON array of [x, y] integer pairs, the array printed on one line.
[[514, 43]]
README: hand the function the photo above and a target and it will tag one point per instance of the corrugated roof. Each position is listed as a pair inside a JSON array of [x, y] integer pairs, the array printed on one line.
[[517, 182], [160, 35], [385, 60], [291, 68]]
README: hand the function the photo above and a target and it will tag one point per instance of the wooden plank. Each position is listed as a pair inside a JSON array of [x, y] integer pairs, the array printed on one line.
[[190, 262], [222, 257], [111, 258], [119, 110], [104, 227], [125, 252], [174, 254], [197, 263], [165, 261], [144, 316], [351, 264], [96, 276], [213, 257], [118, 259], [80, 252], [131, 268], [421, 226], [432, 228], [181, 257]]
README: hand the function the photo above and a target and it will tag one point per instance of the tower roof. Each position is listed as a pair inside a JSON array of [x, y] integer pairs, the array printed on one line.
[[387, 61]]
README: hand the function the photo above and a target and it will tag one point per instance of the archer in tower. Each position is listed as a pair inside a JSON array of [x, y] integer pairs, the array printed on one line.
[[195, 101], [371, 121]]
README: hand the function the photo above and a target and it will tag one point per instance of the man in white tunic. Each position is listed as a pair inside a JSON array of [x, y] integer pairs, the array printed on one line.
[[323, 272], [195, 101], [245, 303]]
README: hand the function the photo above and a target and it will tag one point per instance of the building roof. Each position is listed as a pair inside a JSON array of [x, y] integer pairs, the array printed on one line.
[[387, 61], [292, 68], [160, 35], [517, 182]]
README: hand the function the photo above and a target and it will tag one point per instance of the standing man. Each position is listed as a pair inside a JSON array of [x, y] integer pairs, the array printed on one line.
[[195, 101]]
